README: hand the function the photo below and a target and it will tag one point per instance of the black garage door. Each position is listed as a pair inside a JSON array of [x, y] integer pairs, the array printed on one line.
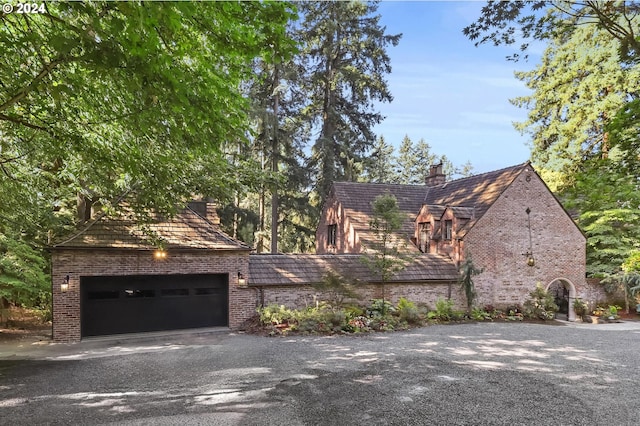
[[139, 303]]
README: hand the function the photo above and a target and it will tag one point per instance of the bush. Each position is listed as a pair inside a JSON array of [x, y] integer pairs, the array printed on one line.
[[380, 308], [276, 315], [407, 311], [444, 310], [540, 305], [479, 314], [580, 307]]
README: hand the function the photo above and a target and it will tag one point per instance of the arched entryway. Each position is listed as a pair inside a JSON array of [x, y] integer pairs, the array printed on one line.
[[564, 293]]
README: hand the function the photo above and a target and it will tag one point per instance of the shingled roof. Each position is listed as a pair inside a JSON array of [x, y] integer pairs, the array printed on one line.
[[297, 269], [471, 197], [477, 192], [357, 199], [187, 230]]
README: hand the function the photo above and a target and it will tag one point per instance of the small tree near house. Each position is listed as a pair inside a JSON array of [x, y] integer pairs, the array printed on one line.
[[467, 271], [384, 257]]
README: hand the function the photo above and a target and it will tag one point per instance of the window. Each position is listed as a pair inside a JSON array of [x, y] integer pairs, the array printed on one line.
[[331, 234], [424, 236], [103, 294], [207, 291], [135, 293], [448, 229], [169, 292]]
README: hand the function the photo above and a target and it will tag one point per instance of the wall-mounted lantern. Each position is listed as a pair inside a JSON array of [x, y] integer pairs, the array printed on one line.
[[242, 281], [64, 285], [530, 260], [529, 254], [159, 254]]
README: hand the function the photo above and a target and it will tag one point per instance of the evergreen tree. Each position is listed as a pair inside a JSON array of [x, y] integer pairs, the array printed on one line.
[[344, 55], [385, 256], [577, 89], [379, 165], [414, 162]]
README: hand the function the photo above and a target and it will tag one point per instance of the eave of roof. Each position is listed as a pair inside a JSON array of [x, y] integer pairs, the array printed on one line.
[[309, 269]]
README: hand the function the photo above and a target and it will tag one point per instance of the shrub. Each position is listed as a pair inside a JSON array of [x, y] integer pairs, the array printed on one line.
[[580, 307], [407, 311], [540, 305], [479, 314], [444, 310], [380, 308], [276, 314]]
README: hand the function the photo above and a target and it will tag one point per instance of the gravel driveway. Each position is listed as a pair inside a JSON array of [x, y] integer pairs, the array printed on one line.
[[467, 374]]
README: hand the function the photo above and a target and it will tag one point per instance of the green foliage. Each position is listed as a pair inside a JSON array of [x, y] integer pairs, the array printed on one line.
[[335, 289], [632, 262], [580, 307], [444, 310], [607, 199], [540, 304], [479, 314], [102, 100], [607, 312], [467, 271], [408, 311], [577, 89], [276, 314], [380, 308], [23, 277], [343, 53], [506, 23], [384, 256], [378, 167]]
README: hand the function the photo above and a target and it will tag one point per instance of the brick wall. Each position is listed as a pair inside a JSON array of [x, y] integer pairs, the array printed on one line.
[[499, 240], [79, 263], [297, 297]]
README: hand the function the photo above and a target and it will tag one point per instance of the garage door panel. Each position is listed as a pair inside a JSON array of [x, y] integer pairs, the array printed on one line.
[[139, 303]]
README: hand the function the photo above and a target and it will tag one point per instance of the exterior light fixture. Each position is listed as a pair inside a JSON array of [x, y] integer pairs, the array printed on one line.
[[64, 285], [242, 281], [530, 260], [159, 254], [529, 254]]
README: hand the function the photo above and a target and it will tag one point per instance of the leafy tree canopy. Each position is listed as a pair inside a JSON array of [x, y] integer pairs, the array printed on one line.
[[509, 22], [107, 98], [578, 87]]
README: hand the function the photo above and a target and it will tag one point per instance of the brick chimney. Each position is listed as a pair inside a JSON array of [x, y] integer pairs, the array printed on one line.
[[436, 177], [206, 209]]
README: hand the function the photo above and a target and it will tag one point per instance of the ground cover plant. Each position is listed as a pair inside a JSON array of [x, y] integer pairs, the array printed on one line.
[[382, 315]]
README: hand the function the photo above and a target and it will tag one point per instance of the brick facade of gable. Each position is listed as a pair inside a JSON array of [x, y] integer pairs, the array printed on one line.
[[499, 241]]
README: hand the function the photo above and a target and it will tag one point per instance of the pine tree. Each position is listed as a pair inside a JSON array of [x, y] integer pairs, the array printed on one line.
[[379, 166], [344, 54], [577, 90]]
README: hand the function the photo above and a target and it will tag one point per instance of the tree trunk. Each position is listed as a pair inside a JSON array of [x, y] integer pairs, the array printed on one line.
[[274, 162]]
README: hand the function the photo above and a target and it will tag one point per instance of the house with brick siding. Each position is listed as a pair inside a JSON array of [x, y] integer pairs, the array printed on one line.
[[115, 275], [507, 220]]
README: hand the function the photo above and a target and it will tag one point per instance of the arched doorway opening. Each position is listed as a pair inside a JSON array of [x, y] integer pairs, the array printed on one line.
[[564, 293]]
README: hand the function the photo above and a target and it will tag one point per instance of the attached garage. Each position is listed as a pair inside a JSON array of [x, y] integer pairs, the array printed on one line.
[[139, 303], [113, 277]]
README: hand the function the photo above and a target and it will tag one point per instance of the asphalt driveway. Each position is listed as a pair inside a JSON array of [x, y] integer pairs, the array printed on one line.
[[468, 374]]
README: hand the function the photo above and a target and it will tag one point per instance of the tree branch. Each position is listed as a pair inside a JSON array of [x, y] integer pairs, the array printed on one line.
[[21, 93], [23, 123]]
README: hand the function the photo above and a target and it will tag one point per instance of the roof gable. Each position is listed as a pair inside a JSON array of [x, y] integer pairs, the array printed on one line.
[[469, 198], [357, 199], [477, 192]]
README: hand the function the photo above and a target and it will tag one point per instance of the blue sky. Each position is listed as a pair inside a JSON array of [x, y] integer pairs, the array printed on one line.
[[449, 92]]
